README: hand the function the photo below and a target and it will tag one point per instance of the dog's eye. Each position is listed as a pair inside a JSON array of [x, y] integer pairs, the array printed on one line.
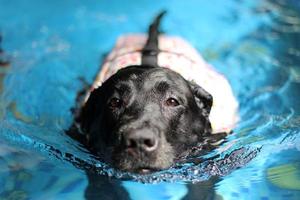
[[172, 102], [115, 103]]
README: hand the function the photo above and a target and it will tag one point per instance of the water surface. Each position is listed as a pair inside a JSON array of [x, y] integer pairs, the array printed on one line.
[[53, 45]]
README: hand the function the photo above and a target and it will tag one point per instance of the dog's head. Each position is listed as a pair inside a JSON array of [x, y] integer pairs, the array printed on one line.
[[143, 118]]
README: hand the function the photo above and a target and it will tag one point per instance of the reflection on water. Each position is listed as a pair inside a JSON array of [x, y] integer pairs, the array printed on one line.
[[52, 47]]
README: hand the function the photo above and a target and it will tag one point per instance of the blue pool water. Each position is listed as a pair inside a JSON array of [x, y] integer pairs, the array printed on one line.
[[53, 45]]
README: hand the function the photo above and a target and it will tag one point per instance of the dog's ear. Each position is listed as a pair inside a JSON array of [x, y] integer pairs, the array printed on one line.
[[203, 99], [91, 109]]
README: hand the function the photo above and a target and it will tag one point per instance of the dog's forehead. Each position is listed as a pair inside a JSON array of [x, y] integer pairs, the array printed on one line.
[[164, 73], [164, 78], [149, 78]]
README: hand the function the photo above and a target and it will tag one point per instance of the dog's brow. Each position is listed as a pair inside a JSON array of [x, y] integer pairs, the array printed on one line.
[[162, 86], [122, 87]]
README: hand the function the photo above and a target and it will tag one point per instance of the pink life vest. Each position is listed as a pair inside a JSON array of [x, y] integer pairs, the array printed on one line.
[[178, 55]]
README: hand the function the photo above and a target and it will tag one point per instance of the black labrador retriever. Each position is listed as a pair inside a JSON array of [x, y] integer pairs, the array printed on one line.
[[145, 117]]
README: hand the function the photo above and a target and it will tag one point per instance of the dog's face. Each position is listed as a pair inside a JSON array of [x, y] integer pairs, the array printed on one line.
[[142, 118]]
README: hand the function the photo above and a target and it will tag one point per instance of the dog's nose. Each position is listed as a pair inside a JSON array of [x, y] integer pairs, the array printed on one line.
[[142, 139]]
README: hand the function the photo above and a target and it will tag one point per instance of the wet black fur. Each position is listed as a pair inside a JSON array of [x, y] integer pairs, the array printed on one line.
[[144, 90]]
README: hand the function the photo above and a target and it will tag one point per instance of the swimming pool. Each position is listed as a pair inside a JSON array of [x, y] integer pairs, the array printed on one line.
[[54, 45]]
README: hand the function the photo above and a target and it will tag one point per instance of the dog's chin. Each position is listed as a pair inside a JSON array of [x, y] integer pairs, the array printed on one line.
[[146, 170], [141, 166], [143, 170]]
